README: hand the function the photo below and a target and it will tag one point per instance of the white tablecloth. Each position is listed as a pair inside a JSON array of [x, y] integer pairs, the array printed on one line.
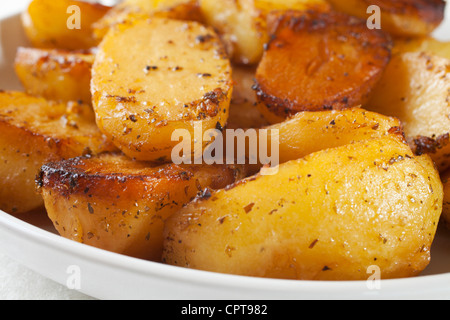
[[19, 283]]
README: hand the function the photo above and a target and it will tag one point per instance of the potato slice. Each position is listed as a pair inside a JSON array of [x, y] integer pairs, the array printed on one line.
[[62, 24], [34, 131], [242, 23], [309, 132], [57, 75], [313, 131], [399, 17], [328, 216], [416, 89], [152, 77], [120, 205], [137, 9], [322, 61]]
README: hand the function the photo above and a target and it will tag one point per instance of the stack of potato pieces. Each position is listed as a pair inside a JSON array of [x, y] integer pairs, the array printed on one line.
[[360, 117]]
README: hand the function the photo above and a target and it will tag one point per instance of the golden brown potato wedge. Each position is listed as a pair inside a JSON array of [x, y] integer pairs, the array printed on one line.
[[57, 75], [120, 205], [138, 9], [34, 131], [242, 23], [422, 44], [328, 216], [446, 208], [62, 24], [416, 89], [319, 61], [152, 77], [309, 132], [244, 113], [398, 17]]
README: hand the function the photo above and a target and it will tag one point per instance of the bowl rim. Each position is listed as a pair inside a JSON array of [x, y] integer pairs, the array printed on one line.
[[396, 287]]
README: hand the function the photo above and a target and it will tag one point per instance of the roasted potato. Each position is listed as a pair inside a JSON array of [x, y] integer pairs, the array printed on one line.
[[308, 132], [244, 113], [328, 216], [401, 18], [422, 44], [117, 204], [446, 208], [312, 131], [242, 23], [323, 60], [34, 131], [138, 9], [416, 89], [152, 77], [62, 24], [57, 75]]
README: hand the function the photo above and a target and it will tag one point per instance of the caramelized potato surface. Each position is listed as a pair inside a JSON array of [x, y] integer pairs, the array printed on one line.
[[313, 222], [57, 75], [34, 131], [152, 77], [319, 61], [117, 204]]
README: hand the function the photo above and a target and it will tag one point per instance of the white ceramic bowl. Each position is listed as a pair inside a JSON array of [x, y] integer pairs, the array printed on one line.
[[106, 275]]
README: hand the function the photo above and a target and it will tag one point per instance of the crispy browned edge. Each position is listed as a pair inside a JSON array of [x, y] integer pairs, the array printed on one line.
[[71, 177], [66, 59], [209, 105], [58, 145], [77, 176]]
